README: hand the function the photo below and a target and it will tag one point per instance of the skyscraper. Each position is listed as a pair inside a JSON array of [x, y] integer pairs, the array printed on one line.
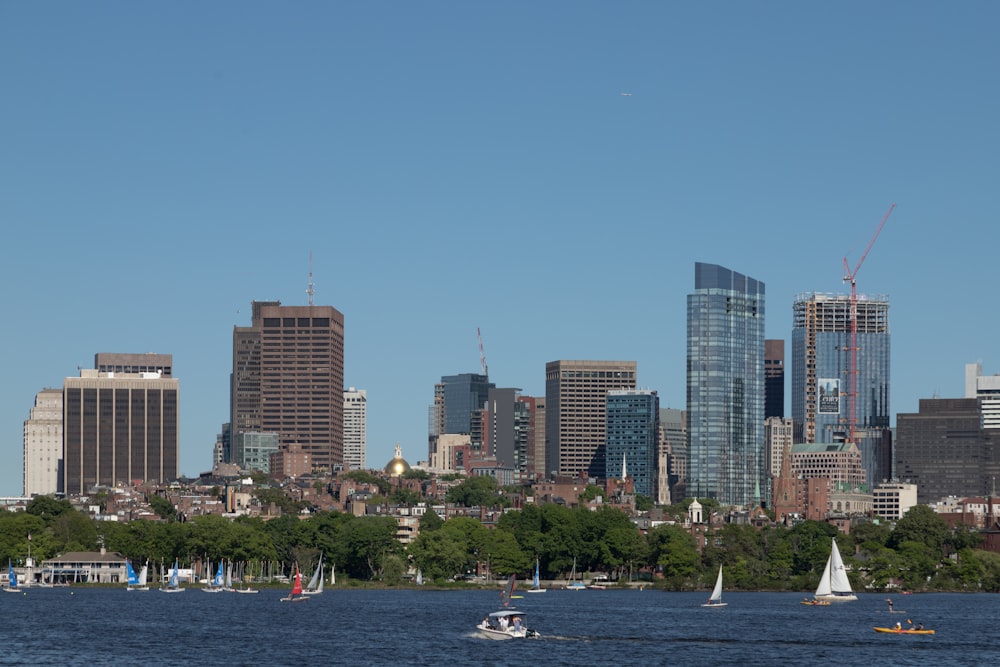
[[355, 428], [774, 378], [288, 379], [633, 425], [822, 389], [725, 387], [43, 444], [459, 404], [120, 426], [576, 394]]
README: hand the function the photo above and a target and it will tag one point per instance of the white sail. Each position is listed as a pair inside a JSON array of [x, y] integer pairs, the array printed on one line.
[[824, 580], [839, 582], [717, 591], [834, 586], [143, 573]]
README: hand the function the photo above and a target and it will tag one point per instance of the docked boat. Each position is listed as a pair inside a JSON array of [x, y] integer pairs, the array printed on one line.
[[507, 623], [834, 586], [575, 585], [715, 600], [898, 630]]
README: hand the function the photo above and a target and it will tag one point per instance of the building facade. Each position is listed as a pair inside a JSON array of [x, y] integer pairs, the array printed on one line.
[[774, 378], [576, 401], [725, 387], [985, 388], [822, 393], [119, 427], [288, 379], [632, 436], [891, 500], [43, 444], [944, 450], [355, 428]]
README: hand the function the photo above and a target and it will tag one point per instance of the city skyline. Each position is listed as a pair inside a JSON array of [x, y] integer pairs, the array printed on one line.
[[477, 168]]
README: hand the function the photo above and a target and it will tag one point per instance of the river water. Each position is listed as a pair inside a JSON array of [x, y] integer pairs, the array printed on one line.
[[80, 626]]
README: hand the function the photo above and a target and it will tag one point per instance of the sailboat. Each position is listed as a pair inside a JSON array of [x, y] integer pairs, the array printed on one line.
[[834, 586], [715, 600], [420, 578], [173, 585], [575, 585], [535, 586], [216, 585], [136, 582], [315, 585], [11, 586], [296, 593]]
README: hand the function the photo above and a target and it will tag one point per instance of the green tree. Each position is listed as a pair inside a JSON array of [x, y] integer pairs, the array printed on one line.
[[674, 551], [163, 507], [47, 507], [430, 521], [920, 524], [476, 491], [643, 503]]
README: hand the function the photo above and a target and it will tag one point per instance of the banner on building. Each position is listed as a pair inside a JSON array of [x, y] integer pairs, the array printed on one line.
[[829, 397]]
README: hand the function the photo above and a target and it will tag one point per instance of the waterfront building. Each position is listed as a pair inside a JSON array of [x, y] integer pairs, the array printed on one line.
[[823, 394], [632, 437], [725, 387], [576, 394], [43, 444], [288, 379], [355, 428], [120, 426]]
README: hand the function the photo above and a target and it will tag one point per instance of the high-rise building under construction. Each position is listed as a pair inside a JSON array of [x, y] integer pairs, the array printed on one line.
[[825, 398]]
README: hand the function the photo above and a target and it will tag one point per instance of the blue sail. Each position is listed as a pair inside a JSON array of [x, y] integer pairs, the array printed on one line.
[[174, 576], [11, 577], [219, 575], [133, 578]]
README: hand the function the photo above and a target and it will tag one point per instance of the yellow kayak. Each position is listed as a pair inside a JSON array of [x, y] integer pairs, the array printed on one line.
[[905, 631]]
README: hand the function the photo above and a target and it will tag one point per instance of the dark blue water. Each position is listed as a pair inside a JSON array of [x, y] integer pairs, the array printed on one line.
[[424, 627]]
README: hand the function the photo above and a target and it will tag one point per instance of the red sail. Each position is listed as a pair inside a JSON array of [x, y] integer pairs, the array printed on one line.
[[297, 587]]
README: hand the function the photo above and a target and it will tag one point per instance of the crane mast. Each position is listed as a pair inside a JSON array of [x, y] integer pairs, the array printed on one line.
[[851, 276], [482, 355]]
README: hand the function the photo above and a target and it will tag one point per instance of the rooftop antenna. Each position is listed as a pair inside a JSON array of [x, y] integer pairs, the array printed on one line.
[[309, 290]]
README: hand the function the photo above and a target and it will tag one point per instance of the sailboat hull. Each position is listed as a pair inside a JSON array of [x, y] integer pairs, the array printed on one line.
[[715, 604], [849, 597]]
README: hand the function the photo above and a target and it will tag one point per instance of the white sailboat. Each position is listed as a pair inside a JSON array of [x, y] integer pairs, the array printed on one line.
[[535, 586], [136, 582], [575, 585], [834, 586], [216, 585], [173, 585], [715, 600], [315, 585]]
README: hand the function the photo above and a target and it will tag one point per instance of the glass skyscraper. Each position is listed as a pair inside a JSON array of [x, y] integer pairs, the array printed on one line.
[[632, 434], [725, 387], [822, 391]]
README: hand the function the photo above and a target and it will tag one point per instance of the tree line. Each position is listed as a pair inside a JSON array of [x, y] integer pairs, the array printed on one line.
[[919, 553]]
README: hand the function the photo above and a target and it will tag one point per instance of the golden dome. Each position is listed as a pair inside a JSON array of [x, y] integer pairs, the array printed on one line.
[[398, 465]]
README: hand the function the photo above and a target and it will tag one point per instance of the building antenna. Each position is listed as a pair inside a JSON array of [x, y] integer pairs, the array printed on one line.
[[310, 289], [482, 355]]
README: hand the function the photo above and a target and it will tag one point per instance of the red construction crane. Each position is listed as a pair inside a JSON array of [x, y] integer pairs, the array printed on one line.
[[482, 355], [851, 276]]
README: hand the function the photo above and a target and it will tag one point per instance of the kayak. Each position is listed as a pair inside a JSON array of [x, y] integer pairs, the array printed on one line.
[[904, 631], [816, 603]]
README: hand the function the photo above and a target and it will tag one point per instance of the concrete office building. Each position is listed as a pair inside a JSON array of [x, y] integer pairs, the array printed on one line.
[[120, 426], [725, 387], [43, 444], [355, 428], [985, 388], [576, 421], [288, 379], [774, 378]]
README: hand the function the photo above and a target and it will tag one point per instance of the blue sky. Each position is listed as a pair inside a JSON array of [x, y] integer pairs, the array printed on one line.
[[454, 165]]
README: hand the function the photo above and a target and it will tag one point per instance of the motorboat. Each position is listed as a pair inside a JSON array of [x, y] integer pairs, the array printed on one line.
[[505, 624]]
